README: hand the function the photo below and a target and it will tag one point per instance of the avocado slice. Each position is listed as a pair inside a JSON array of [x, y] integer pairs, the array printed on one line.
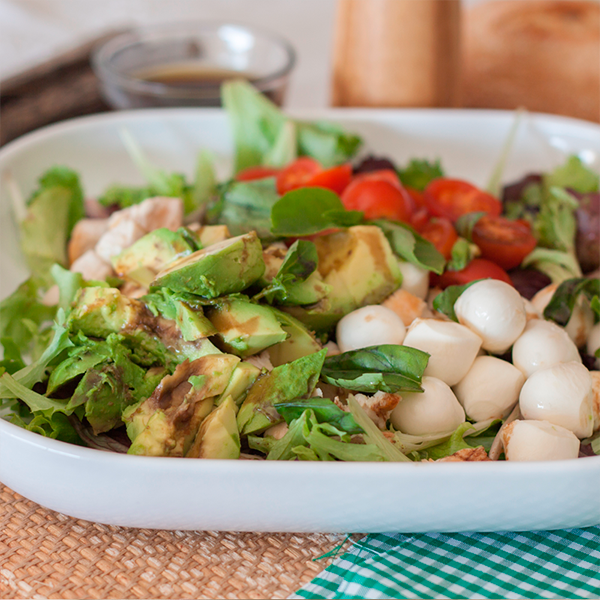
[[242, 378], [245, 328], [223, 268], [300, 342], [284, 383], [167, 422], [218, 436], [359, 266], [146, 257]]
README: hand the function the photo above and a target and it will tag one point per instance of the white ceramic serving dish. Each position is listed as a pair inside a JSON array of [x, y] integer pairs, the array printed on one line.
[[172, 493]]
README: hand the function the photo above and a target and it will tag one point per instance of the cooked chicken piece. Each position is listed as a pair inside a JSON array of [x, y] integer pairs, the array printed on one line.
[[51, 297], [92, 267], [212, 234], [85, 236], [332, 349], [406, 305], [133, 290], [467, 455], [152, 213], [119, 237], [95, 210], [379, 406]]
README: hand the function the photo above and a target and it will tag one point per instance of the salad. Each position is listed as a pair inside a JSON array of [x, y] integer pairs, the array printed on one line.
[[317, 305]]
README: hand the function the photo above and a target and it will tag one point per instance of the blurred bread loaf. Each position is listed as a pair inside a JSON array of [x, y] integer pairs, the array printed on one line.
[[541, 54]]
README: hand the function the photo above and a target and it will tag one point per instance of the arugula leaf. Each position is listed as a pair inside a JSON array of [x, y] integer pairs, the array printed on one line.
[[310, 210], [561, 305], [419, 173], [300, 262], [558, 265], [325, 412], [245, 206], [444, 301], [260, 135], [23, 315], [410, 246], [372, 434], [52, 211], [388, 368], [574, 175]]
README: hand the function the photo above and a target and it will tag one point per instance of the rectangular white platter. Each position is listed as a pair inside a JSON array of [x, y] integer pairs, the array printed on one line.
[[167, 493]]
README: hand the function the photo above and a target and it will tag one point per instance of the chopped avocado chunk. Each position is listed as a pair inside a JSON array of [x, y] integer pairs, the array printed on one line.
[[245, 328], [212, 234], [283, 384], [300, 342], [224, 268], [242, 378], [167, 422], [146, 257], [360, 267], [218, 436]]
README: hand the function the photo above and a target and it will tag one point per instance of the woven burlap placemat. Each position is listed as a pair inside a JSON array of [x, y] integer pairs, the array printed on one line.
[[44, 554]]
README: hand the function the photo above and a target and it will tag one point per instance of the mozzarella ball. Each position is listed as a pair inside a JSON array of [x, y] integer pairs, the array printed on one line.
[[581, 320], [494, 310], [562, 395], [593, 342], [436, 410], [452, 347], [370, 326], [414, 279], [542, 345], [538, 440], [490, 389]]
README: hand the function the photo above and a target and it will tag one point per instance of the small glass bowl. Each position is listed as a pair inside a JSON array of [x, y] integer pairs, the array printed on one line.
[[184, 64]]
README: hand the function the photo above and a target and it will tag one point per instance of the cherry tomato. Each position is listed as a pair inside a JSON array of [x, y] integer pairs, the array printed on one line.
[[336, 178], [451, 198], [297, 174], [478, 268], [441, 233], [420, 218], [417, 196], [378, 199], [505, 242], [388, 175], [252, 173]]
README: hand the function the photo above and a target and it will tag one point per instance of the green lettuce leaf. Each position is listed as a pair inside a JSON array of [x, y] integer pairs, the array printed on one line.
[[410, 246], [419, 173], [558, 265], [574, 175], [308, 210], [455, 443], [561, 305], [387, 368]]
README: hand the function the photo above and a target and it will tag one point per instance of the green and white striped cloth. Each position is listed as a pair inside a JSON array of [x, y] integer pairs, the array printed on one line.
[[536, 564]]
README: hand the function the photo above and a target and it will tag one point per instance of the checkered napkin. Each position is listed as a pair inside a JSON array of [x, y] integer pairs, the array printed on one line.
[[537, 564]]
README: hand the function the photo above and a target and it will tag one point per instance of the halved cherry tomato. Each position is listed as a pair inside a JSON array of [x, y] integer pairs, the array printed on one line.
[[451, 198], [252, 173], [505, 242], [417, 196], [420, 218], [336, 178], [382, 175], [297, 174], [441, 233], [478, 268], [378, 199]]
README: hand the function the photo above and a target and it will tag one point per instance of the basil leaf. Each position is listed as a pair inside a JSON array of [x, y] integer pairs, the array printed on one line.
[[460, 256], [595, 306], [410, 246], [324, 409], [560, 307], [418, 173], [466, 223], [444, 302], [300, 262], [309, 210], [387, 368]]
